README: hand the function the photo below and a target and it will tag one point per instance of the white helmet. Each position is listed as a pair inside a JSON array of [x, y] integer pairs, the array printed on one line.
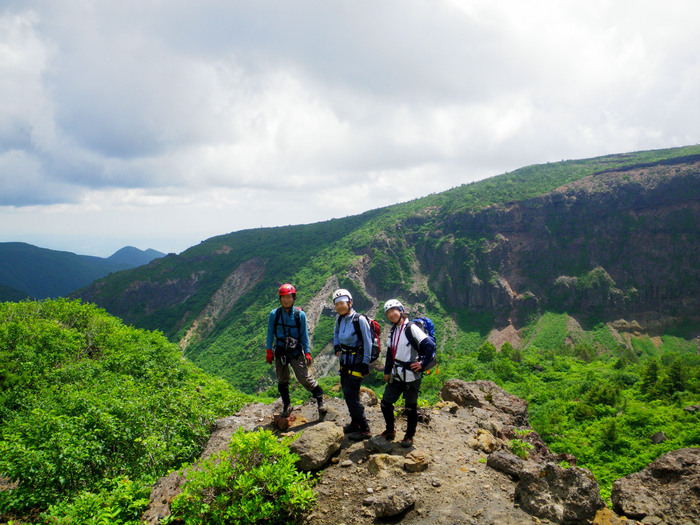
[[342, 294], [392, 303]]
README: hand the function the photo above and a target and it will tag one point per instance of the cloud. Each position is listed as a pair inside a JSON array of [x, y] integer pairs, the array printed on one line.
[[337, 107]]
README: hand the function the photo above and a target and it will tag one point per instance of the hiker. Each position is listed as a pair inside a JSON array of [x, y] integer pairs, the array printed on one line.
[[287, 327], [403, 370], [353, 350]]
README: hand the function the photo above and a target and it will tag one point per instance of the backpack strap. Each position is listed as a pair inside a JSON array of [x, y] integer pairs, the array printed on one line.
[[278, 318], [415, 354]]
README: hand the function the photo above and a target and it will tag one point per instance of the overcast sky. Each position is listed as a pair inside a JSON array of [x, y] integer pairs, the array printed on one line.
[[160, 124]]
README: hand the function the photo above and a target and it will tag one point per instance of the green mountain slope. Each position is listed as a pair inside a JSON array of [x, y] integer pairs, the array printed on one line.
[[600, 238], [42, 273]]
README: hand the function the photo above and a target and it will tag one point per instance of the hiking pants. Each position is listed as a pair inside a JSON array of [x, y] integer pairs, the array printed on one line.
[[351, 391], [301, 371], [410, 392]]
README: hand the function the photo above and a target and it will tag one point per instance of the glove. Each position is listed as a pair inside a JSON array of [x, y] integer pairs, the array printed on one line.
[[308, 358], [364, 369], [337, 349], [270, 356]]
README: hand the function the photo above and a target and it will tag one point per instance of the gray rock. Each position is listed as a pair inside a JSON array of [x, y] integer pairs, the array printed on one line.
[[317, 444], [391, 503], [659, 437], [379, 444], [668, 488], [488, 396], [568, 496], [506, 462]]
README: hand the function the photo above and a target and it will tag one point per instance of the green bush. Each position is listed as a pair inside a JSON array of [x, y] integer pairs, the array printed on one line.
[[255, 481]]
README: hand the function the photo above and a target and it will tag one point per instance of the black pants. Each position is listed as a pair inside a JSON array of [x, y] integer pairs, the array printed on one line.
[[410, 392], [351, 390]]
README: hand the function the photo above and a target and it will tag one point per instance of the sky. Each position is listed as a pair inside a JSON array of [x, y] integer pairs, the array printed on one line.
[[160, 124]]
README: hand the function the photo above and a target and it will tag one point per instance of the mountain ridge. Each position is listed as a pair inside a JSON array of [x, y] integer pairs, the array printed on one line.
[[44, 273]]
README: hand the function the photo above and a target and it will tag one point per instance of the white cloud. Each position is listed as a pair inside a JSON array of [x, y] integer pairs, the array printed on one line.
[[142, 117]]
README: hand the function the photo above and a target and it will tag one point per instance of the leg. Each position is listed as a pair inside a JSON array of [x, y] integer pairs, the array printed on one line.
[[282, 372], [410, 396], [391, 395], [351, 391]]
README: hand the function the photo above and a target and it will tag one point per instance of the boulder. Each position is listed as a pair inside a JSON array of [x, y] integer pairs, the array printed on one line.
[[488, 396], [367, 397], [568, 496], [317, 444], [393, 502], [485, 441], [378, 444], [668, 488], [416, 461], [507, 463], [384, 464], [659, 437]]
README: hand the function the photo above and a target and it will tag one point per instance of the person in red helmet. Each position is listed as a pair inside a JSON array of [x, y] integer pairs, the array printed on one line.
[[286, 328]]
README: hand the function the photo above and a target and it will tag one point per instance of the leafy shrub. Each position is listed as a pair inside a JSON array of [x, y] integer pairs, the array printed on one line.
[[255, 481]]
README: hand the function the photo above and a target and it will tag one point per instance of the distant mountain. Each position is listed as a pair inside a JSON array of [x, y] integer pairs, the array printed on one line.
[[134, 257], [42, 273], [8, 293], [601, 239]]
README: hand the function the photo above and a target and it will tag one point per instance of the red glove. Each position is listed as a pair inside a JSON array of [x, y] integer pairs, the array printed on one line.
[[308, 358], [270, 356]]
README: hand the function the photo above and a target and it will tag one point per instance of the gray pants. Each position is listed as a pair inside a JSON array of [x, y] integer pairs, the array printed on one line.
[[301, 371]]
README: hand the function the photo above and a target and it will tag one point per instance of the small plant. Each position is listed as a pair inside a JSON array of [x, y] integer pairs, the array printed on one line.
[[565, 464], [518, 446], [255, 481]]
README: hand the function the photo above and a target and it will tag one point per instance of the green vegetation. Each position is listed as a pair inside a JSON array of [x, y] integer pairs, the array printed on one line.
[[255, 481], [92, 412]]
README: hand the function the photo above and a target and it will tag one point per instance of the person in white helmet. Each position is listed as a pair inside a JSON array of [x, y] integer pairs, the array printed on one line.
[[402, 372], [353, 350]]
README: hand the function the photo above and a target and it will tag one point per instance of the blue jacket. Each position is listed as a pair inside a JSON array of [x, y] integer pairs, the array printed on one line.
[[287, 326], [344, 334]]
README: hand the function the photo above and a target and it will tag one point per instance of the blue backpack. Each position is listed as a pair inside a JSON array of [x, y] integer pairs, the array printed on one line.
[[427, 326]]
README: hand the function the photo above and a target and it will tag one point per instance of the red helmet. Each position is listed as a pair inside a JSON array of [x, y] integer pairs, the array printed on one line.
[[287, 289]]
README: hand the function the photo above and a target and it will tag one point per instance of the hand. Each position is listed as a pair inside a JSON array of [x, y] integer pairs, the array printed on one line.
[[387, 377], [417, 366], [364, 369], [270, 356], [308, 358]]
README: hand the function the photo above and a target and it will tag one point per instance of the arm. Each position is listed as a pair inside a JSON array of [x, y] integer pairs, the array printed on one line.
[[270, 329], [389, 360], [366, 340], [305, 344], [427, 350]]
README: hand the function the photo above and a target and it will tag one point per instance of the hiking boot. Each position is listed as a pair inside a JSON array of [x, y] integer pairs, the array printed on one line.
[[407, 441], [322, 408], [389, 435], [352, 427], [287, 410], [360, 435]]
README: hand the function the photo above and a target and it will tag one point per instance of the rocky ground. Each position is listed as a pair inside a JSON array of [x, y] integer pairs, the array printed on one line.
[[460, 469]]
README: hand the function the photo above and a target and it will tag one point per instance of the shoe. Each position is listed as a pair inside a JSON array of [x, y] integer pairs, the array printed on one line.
[[360, 435], [322, 408], [407, 441], [287, 410], [389, 435], [352, 427]]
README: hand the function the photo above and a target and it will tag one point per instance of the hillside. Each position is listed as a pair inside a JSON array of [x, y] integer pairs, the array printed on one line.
[[42, 273], [92, 412], [601, 239]]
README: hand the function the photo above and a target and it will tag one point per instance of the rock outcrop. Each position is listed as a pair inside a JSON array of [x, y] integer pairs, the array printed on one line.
[[668, 488], [442, 479]]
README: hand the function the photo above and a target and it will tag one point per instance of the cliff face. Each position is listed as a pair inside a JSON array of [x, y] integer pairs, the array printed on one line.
[[613, 244]]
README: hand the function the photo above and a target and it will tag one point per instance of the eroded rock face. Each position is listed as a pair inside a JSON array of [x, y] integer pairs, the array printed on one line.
[[488, 396], [568, 496], [317, 444], [668, 488]]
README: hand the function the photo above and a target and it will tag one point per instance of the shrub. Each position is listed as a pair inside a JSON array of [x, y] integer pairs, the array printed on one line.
[[255, 481]]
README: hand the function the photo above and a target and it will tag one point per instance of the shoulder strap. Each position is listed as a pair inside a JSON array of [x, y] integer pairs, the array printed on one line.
[[297, 320], [356, 325], [410, 337], [278, 316]]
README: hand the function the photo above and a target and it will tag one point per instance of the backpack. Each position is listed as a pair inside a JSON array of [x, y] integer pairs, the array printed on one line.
[[297, 321], [375, 332], [428, 328]]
